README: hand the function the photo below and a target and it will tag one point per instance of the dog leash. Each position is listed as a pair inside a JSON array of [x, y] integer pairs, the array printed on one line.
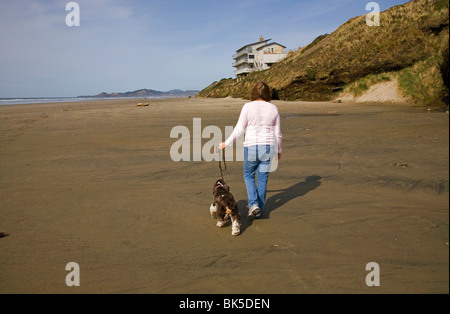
[[224, 162]]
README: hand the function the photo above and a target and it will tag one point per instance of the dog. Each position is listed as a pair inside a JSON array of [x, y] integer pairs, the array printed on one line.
[[224, 206]]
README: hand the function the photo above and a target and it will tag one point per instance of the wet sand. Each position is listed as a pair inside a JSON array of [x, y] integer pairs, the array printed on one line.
[[93, 183]]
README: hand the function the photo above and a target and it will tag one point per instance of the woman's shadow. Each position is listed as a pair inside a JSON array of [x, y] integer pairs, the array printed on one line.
[[276, 201]]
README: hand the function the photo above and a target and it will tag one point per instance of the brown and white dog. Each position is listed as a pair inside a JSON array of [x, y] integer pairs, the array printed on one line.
[[224, 206]]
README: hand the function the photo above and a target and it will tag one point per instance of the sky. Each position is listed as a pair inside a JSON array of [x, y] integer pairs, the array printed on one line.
[[125, 45]]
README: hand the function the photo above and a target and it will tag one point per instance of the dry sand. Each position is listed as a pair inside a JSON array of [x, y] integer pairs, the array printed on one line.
[[383, 92], [93, 183]]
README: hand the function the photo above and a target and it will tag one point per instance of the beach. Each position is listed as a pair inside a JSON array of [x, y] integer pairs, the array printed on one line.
[[94, 183]]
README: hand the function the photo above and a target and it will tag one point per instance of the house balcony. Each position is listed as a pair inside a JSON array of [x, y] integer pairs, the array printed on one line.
[[244, 70], [242, 61], [243, 52]]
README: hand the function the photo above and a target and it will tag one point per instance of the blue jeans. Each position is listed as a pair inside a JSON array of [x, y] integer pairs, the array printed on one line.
[[257, 159]]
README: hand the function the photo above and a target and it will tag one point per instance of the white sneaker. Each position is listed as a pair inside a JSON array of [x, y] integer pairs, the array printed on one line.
[[254, 211]]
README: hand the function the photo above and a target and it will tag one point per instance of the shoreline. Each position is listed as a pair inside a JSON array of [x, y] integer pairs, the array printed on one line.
[[337, 102], [93, 183], [60, 100]]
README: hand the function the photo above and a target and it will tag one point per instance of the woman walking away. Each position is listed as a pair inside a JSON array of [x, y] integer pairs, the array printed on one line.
[[262, 144]]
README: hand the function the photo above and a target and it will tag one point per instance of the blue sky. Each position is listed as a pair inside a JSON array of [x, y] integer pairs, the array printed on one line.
[[124, 45]]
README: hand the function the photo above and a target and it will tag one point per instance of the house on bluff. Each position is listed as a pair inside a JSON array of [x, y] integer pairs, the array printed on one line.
[[257, 57]]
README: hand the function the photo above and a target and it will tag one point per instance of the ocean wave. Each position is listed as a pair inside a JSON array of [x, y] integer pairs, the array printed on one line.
[[23, 101]]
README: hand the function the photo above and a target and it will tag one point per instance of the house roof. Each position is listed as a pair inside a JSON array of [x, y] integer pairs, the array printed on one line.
[[258, 42], [266, 45]]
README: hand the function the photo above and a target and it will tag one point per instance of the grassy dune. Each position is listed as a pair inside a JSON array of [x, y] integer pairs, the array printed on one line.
[[410, 42]]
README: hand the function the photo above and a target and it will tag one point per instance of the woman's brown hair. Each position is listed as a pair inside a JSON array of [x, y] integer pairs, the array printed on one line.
[[261, 91]]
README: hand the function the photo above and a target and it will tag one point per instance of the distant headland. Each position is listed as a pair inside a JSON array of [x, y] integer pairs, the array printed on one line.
[[144, 93]]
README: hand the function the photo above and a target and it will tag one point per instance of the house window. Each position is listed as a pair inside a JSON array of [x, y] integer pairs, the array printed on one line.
[[251, 56]]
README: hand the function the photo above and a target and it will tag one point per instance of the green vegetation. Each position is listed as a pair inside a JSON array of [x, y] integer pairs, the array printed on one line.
[[423, 81], [358, 87], [442, 4], [311, 73], [315, 42], [361, 85]]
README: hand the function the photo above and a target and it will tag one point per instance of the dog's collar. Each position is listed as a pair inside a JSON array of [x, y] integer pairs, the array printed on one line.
[[220, 185]]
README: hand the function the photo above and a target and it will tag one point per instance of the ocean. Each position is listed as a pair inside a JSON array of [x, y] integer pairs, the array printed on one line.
[[23, 101]]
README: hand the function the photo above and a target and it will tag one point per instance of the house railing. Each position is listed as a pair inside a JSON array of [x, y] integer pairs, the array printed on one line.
[[243, 52], [240, 61]]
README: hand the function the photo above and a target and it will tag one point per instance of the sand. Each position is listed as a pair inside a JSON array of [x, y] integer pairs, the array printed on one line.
[[383, 92], [93, 183]]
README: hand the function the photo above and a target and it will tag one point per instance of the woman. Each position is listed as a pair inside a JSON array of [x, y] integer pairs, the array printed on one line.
[[263, 141]]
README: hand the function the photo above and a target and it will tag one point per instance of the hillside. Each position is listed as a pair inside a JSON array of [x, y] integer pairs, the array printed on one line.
[[411, 38], [143, 93]]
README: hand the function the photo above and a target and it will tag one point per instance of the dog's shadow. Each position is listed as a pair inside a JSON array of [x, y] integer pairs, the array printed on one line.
[[276, 201]]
